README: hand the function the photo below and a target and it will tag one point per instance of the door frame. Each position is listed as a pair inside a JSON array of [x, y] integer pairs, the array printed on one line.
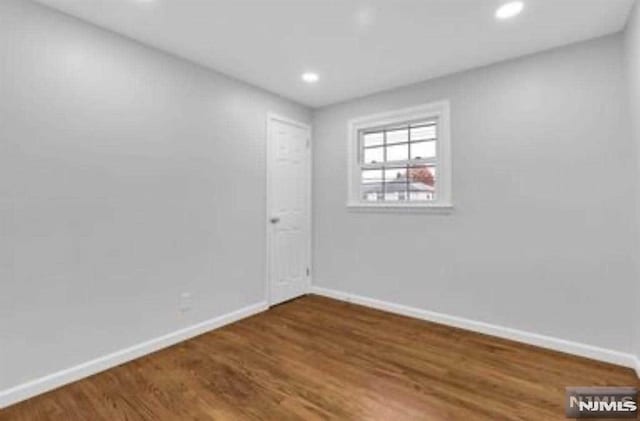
[[272, 117]]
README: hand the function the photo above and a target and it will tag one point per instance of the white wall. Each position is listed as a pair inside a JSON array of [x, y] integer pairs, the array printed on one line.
[[127, 177], [632, 50], [540, 239]]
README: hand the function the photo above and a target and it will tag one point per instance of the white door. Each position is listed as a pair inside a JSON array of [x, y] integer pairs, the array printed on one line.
[[288, 209]]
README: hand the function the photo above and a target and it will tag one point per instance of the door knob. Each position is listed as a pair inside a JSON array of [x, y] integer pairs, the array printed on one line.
[[275, 220]]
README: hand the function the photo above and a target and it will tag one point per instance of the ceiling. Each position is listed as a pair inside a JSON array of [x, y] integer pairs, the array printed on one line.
[[356, 46]]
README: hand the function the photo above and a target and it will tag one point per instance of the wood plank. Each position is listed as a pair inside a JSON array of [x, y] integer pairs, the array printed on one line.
[[316, 359]]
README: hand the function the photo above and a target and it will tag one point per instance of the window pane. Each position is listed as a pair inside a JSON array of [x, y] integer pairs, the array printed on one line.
[[397, 136], [422, 174], [391, 197], [395, 174], [423, 133], [420, 196], [398, 152], [422, 183], [373, 139], [395, 191], [373, 155], [371, 192], [371, 176], [423, 150]]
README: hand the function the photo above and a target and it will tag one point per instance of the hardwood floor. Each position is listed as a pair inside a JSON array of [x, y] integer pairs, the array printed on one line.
[[316, 358]]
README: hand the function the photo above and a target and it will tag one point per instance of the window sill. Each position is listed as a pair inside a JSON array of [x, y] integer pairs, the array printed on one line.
[[437, 208]]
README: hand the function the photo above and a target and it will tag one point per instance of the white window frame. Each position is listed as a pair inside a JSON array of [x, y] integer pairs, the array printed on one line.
[[437, 110]]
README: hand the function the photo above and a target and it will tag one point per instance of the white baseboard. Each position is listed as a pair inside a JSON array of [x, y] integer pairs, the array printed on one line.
[[556, 344], [72, 374]]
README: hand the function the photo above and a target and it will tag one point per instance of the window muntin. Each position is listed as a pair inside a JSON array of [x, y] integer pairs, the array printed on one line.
[[398, 163]]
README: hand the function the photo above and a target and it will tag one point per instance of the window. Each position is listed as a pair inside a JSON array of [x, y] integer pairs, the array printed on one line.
[[401, 159]]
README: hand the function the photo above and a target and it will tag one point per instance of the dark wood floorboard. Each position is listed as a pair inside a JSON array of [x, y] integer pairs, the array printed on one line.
[[319, 359]]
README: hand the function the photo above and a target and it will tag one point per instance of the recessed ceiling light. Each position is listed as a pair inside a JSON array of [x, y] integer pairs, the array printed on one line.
[[365, 17], [310, 77], [509, 10]]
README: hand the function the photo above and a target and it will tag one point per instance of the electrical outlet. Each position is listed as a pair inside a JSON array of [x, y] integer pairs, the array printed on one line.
[[186, 302]]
